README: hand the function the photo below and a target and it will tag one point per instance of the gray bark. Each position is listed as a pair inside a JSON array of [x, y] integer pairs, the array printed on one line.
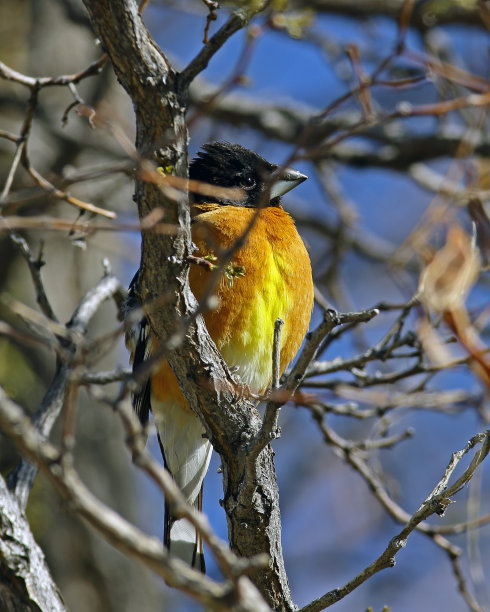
[[25, 581]]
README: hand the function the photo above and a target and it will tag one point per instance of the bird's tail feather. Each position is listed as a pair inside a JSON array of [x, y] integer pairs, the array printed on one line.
[[182, 539], [186, 455]]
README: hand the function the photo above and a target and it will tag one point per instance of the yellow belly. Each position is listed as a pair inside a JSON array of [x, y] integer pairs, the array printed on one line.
[[276, 284], [250, 340]]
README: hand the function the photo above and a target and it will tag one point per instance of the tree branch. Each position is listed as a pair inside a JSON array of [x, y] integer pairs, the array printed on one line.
[[424, 15], [26, 584], [380, 147], [237, 21], [435, 503], [114, 528], [20, 481]]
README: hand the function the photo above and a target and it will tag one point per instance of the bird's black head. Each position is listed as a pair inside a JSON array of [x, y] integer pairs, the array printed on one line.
[[230, 165]]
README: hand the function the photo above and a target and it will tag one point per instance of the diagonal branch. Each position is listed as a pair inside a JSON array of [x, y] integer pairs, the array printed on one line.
[[424, 15], [236, 22], [20, 481], [435, 503]]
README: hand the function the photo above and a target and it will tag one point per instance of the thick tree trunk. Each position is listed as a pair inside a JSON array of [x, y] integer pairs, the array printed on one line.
[[159, 96]]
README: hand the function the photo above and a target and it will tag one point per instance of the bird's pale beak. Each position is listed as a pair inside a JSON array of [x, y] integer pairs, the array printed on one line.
[[286, 180]]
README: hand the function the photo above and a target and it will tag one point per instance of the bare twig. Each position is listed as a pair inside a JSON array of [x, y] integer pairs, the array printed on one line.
[[349, 452], [35, 270], [315, 338], [104, 378], [35, 85], [436, 502], [63, 195], [462, 587], [237, 21], [20, 481], [64, 80]]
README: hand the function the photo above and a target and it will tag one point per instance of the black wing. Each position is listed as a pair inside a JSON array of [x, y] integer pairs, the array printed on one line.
[[137, 336]]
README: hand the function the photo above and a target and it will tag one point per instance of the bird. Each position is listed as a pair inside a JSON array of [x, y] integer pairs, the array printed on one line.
[[269, 277]]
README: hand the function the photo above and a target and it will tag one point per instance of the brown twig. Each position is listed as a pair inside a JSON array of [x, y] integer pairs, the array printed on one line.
[[436, 502], [237, 21], [63, 80]]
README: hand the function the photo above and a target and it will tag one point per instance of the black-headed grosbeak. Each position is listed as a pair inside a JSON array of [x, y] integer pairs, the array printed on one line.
[[270, 278]]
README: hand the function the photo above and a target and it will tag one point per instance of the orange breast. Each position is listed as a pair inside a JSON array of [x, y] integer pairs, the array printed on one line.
[[276, 283]]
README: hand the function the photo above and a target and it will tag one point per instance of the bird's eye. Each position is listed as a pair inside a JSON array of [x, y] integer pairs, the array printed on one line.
[[247, 182]]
